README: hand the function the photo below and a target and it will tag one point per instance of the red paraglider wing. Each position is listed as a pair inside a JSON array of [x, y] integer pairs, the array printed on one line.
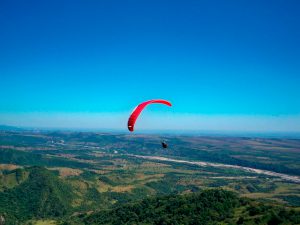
[[137, 111]]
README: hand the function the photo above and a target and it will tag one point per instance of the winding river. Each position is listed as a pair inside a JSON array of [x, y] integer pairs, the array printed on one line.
[[295, 179]]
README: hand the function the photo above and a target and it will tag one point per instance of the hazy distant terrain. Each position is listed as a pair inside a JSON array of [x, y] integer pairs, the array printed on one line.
[[74, 173]]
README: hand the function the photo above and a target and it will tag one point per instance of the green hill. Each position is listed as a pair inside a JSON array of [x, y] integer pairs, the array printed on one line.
[[41, 195], [205, 208]]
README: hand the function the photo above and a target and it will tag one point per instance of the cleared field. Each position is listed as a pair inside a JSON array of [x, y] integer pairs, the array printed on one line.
[[45, 222]]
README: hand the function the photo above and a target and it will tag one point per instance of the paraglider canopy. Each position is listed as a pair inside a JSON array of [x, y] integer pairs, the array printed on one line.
[[137, 111]]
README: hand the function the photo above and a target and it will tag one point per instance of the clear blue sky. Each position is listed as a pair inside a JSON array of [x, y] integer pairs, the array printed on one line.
[[212, 58]]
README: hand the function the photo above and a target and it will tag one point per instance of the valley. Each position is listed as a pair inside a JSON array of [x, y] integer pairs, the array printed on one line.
[[86, 172]]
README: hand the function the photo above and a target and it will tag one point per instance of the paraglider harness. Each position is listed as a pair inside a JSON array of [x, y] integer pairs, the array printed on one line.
[[164, 144]]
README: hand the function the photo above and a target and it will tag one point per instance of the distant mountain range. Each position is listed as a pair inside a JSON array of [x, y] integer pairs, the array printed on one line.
[[10, 128]]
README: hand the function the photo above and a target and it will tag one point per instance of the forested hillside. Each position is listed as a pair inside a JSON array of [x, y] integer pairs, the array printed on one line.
[[41, 195], [38, 193], [204, 208]]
